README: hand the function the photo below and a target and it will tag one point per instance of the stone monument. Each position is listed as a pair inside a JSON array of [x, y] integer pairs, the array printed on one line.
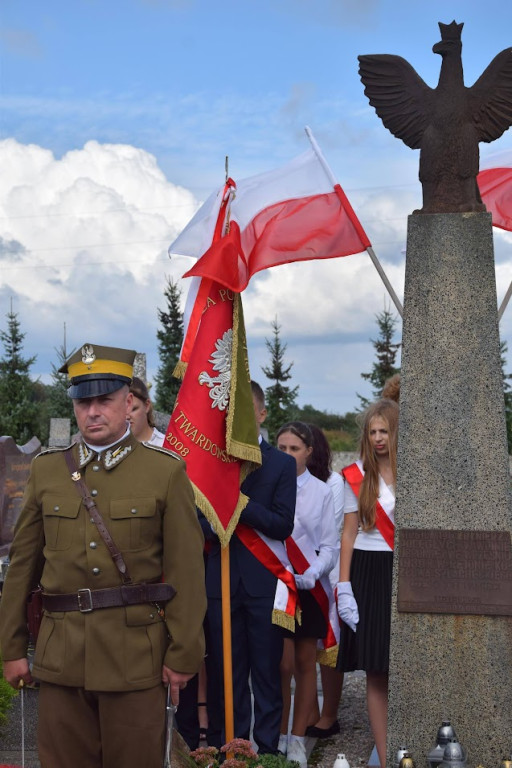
[[451, 629], [15, 463], [60, 433]]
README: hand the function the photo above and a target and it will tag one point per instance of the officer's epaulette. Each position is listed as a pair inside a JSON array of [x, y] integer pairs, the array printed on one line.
[[54, 449], [160, 449]]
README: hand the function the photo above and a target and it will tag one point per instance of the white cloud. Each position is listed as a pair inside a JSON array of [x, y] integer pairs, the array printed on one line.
[[84, 241], [84, 238]]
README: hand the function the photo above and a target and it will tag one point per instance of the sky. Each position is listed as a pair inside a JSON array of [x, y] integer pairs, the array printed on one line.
[[115, 121]]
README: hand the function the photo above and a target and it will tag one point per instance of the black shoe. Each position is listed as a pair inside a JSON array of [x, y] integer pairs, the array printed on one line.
[[323, 733]]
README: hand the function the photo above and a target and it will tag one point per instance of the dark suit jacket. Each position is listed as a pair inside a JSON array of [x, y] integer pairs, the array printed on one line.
[[272, 490]]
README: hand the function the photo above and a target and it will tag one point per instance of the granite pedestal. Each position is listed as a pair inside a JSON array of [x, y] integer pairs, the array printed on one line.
[[453, 474]]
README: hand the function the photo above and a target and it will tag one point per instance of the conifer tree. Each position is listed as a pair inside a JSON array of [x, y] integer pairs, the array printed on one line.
[[60, 405], [280, 398], [19, 411], [507, 393], [170, 339], [386, 351]]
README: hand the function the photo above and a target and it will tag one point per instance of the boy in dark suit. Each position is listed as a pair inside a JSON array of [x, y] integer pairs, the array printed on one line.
[[256, 642]]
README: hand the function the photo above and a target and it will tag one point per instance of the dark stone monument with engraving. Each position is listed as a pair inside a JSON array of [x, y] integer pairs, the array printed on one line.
[[451, 624], [14, 470]]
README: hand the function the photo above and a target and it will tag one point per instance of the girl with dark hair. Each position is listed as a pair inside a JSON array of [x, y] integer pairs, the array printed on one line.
[[366, 562], [141, 415], [326, 723], [312, 549]]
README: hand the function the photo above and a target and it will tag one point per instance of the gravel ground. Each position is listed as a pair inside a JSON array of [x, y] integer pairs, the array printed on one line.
[[355, 740]]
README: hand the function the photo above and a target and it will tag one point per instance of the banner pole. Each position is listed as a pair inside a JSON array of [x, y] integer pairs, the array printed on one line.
[[355, 220], [384, 278], [226, 644], [504, 303]]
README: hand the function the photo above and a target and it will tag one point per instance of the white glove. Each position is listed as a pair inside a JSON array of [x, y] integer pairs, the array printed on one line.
[[308, 579], [347, 606]]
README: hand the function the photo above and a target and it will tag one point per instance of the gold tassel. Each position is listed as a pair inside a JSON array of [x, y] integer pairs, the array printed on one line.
[[283, 619], [328, 657]]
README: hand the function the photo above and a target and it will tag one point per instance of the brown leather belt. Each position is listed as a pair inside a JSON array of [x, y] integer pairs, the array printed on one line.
[[86, 600]]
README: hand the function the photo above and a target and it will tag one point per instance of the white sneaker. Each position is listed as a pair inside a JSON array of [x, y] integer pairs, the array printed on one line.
[[282, 746], [297, 753]]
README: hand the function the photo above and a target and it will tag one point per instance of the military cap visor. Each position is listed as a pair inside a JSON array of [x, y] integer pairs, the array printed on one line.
[[94, 370]]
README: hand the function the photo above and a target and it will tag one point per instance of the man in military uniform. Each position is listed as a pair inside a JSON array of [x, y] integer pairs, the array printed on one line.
[[108, 638]]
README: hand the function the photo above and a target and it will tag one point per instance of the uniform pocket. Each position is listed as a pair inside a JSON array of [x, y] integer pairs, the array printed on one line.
[[51, 645], [145, 643], [133, 524], [59, 520]]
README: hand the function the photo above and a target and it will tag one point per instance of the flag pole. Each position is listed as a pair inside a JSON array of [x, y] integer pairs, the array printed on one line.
[[355, 221], [504, 303], [229, 723]]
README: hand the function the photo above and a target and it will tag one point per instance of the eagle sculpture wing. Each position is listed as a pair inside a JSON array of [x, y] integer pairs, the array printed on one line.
[[490, 98], [400, 97]]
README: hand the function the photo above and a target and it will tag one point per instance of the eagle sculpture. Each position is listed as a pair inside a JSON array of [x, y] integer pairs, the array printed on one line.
[[445, 123]]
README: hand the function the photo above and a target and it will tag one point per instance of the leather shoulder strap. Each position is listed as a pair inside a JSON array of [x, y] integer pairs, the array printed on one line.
[[90, 505]]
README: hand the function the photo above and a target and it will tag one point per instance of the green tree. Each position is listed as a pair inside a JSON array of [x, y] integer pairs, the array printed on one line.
[[19, 409], [6, 696], [386, 351], [507, 393], [170, 339], [280, 398], [60, 405]]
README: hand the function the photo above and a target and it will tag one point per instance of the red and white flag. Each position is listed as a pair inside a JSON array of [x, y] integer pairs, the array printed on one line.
[[293, 213], [495, 184]]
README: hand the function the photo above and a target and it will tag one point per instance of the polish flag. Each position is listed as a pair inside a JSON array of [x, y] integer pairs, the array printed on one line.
[[294, 213], [495, 184]]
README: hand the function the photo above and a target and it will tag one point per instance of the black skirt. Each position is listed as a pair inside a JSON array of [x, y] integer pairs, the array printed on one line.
[[313, 623], [368, 647]]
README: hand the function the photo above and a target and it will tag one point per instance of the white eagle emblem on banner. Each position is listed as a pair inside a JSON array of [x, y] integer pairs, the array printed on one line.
[[221, 362]]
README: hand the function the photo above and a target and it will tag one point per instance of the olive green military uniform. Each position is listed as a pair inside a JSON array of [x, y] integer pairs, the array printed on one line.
[[147, 503]]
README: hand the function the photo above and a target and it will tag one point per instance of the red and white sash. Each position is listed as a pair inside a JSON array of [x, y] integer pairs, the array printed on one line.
[[385, 508], [272, 554], [302, 553]]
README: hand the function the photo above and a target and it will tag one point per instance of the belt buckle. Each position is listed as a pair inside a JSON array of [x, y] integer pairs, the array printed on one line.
[[84, 600]]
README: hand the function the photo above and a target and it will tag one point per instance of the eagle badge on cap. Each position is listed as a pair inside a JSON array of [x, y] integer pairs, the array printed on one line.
[[88, 356]]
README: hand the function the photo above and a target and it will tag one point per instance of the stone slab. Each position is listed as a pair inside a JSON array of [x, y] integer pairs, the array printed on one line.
[[15, 463], [60, 433], [453, 473]]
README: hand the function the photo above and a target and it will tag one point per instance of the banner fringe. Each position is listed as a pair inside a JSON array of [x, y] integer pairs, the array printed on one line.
[[210, 514], [179, 371], [328, 656], [283, 620]]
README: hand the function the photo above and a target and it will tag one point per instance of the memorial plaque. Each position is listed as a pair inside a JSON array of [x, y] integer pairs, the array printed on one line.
[[455, 572], [15, 463]]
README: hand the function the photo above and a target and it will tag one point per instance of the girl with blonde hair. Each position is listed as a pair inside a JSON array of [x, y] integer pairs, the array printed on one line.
[[366, 562]]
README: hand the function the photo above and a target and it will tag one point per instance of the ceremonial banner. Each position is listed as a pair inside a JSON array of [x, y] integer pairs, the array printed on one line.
[[294, 213], [212, 425], [495, 184]]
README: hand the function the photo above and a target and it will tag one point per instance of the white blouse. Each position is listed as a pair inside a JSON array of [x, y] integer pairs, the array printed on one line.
[[314, 521]]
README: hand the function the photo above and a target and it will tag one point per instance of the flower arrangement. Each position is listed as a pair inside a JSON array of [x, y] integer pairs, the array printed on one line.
[[241, 755]]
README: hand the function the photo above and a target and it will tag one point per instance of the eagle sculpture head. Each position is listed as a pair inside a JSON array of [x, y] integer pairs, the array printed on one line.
[[450, 38]]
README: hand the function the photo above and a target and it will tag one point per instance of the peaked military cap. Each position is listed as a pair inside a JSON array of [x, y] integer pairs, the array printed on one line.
[[95, 370]]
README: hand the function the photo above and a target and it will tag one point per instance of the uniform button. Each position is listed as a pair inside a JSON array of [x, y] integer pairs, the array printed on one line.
[[94, 492], [96, 571], [93, 545], [133, 511], [92, 520], [151, 615], [56, 508], [95, 467]]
